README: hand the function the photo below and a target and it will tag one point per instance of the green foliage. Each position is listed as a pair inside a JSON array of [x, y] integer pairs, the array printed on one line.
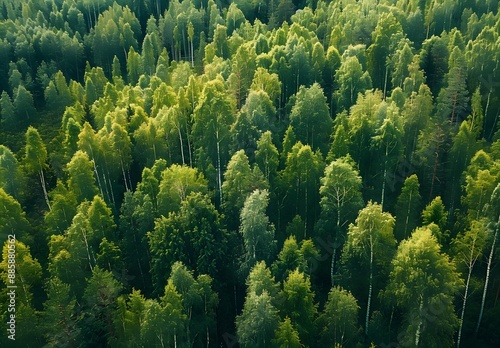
[[257, 323], [59, 316], [435, 213], [193, 235], [310, 118], [416, 289], [256, 230], [11, 176], [297, 303], [407, 208], [180, 150], [239, 182], [287, 335], [81, 180], [339, 319], [100, 299], [177, 183]]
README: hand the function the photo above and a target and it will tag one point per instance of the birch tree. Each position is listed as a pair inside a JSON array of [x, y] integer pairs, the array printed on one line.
[[371, 244]]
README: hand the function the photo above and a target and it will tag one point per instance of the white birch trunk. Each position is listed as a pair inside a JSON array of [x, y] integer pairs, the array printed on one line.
[[488, 269], [419, 327], [370, 288]]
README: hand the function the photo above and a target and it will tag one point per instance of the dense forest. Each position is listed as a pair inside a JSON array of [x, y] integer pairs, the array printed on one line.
[[250, 173]]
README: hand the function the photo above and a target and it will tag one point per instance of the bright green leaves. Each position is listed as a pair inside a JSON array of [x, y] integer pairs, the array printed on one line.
[[81, 180], [298, 304], [351, 80], [193, 234], [407, 208], [301, 178], [12, 218], [340, 192], [256, 230], [176, 184], [421, 280], [287, 335], [256, 325], [370, 245], [339, 319], [310, 118]]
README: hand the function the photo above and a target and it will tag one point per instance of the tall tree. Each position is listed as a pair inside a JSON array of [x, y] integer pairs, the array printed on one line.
[[212, 117], [129, 318], [266, 156], [297, 302], [35, 158], [59, 315], [452, 104], [257, 231], [387, 31], [239, 182], [7, 111], [492, 212], [81, 179], [24, 106], [193, 235], [310, 118], [407, 208], [468, 247], [177, 183], [242, 72], [261, 280], [11, 176], [370, 244], [422, 279], [435, 213], [286, 335], [416, 113], [339, 319], [64, 206], [258, 321], [301, 180], [293, 256], [340, 197], [100, 301], [27, 276], [351, 80], [255, 117], [387, 142], [164, 321]]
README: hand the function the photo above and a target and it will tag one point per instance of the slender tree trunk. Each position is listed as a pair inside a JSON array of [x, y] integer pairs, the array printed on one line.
[[486, 109], [434, 172], [332, 267], [370, 288], [383, 185], [334, 254], [44, 188], [385, 80], [182, 144], [463, 308], [192, 54], [219, 175], [124, 176], [488, 269], [97, 177], [408, 215], [419, 327], [87, 247], [306, 203]]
